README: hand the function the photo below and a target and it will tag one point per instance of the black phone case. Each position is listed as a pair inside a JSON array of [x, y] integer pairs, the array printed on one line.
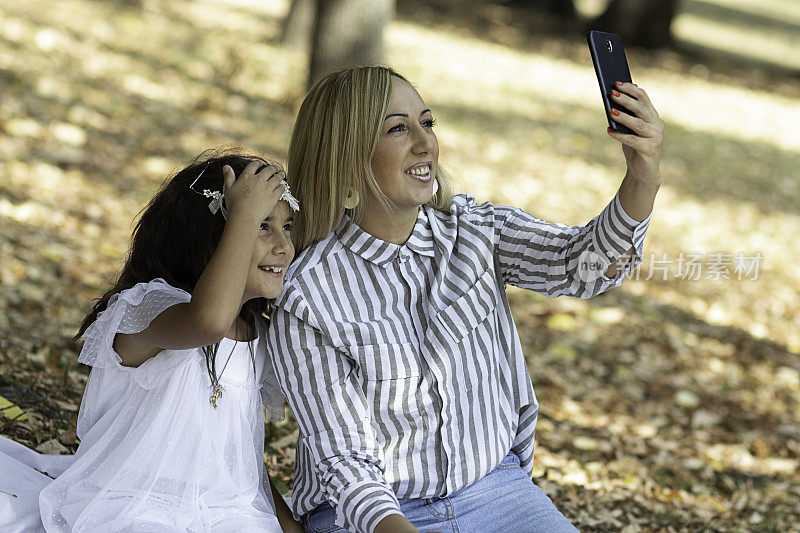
[[610, 65]]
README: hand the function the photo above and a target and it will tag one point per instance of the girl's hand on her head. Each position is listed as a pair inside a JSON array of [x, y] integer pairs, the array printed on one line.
[[255, 192], [643, 150]]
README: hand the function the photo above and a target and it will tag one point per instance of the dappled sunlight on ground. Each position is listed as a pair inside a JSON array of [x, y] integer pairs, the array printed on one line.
[[668, 404]]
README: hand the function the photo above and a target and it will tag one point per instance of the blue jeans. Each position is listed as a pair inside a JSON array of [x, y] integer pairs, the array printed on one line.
[[504, 500]]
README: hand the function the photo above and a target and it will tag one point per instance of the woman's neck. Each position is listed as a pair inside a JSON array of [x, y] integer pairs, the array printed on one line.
[[394, 227]]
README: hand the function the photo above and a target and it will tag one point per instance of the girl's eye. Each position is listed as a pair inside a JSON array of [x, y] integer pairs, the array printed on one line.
[[429, 123], [287, 227], [399, 127], [264, 226]]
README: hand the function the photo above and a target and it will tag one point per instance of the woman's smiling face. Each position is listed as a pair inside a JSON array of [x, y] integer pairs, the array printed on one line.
[[407, 152]]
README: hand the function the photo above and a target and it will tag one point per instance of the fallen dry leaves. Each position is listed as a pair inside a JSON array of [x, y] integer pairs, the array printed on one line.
[[665, 405]]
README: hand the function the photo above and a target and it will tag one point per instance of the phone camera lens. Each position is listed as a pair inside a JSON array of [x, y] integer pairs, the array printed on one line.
[[609, 46]]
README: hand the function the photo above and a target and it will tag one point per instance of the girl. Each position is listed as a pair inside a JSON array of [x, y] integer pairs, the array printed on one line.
[[393, 338], [171, 423]]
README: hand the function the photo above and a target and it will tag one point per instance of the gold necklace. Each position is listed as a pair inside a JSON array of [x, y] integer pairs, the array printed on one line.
[[216, 388]]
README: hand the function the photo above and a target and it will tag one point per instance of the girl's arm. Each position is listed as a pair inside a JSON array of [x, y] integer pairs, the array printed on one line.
[[217, 297], [282, 511], [395, 523]]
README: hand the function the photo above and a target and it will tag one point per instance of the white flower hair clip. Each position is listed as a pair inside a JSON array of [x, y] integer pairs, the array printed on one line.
[[287, 197], [216, 196], [216, 203]]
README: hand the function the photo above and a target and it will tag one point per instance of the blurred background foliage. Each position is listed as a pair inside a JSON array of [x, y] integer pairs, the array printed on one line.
[[668, 404]]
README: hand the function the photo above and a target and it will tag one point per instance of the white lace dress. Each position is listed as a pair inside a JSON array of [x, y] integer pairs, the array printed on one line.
[[154, 455]]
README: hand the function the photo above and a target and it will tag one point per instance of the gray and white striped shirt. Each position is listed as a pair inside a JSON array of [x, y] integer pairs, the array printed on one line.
[[402, 363]]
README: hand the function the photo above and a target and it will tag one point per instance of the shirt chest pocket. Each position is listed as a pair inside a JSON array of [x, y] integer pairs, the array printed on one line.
[[387, 361], [458, 321], [390, 377]]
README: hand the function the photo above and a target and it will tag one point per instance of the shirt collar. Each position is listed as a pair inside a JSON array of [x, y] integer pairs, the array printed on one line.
[[382, 252]]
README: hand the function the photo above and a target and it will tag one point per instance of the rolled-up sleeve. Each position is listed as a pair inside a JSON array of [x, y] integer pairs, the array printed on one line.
[[331, 410], [556, 259]]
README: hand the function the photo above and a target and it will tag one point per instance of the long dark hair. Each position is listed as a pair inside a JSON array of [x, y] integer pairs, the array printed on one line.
[[176, 236]]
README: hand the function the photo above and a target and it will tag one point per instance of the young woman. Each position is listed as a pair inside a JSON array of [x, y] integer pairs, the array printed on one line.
[[393, 339], [172, 418]]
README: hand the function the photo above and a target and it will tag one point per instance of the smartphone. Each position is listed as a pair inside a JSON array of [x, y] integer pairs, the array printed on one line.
[[610, 65]]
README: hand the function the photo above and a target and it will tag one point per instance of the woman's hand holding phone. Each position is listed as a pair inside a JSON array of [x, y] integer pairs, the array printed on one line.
[[632, 119], [642, 150]]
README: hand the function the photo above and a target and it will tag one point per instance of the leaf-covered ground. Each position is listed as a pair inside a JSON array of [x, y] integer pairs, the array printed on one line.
[[670, 404]]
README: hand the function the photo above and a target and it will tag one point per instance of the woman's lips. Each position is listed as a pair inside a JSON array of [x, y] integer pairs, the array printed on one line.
[[420, 171]]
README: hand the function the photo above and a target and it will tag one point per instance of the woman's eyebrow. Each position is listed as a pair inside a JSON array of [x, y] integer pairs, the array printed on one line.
[[405, 115]]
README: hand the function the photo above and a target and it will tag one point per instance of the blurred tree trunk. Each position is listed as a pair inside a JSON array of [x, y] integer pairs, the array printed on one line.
[[563, 9], [643, 23], [298, 26], [347, 32]]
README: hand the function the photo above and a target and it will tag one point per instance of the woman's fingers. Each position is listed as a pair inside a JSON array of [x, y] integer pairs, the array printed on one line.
[[634, 98], [633, 141], [647, 141], [637, 101], [642, 150], [638, 125]]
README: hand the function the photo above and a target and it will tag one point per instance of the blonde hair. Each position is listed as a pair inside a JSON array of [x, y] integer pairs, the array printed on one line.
[[331, 150]]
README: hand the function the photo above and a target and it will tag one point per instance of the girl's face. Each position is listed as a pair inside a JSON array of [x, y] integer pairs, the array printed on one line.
[[272, 254], [407, 153]]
